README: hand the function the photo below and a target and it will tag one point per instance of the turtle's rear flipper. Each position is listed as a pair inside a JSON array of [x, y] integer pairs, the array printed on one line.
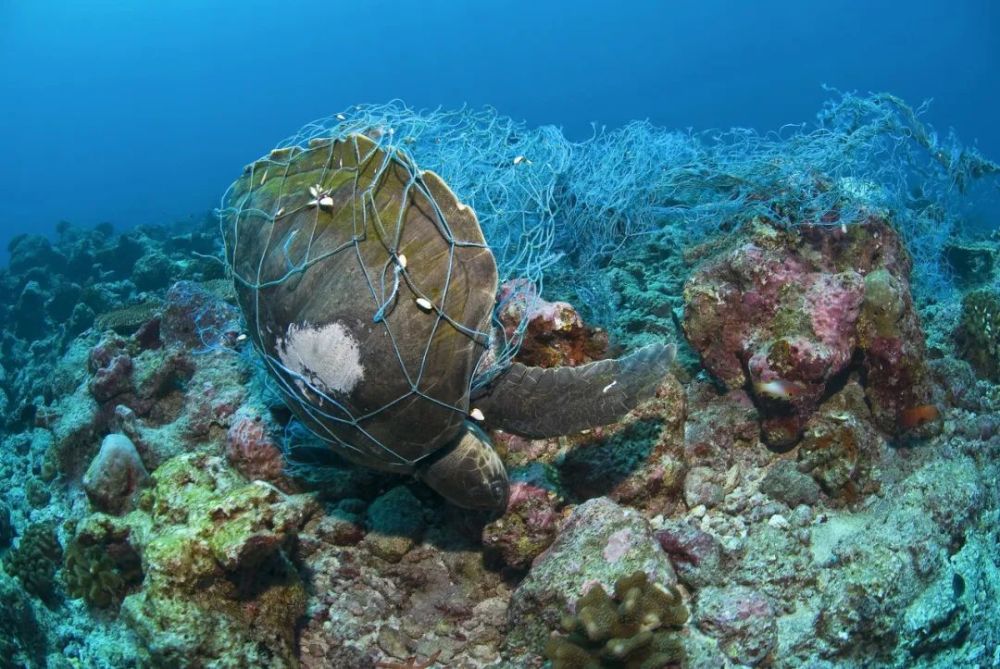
[[537, 402]]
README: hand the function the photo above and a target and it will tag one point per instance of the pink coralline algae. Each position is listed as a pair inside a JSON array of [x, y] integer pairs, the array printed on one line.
[[555, 334], [111, 366], [742, 620], [528, 527], [252, 451], [787, 312]]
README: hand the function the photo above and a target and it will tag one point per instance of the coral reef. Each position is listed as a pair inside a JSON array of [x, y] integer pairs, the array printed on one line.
[[635, 629], [786, 314], [161, 507], [52, 292], [218, 583], [979, 332]]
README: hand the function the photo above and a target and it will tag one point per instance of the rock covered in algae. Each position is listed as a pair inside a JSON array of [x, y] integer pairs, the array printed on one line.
[[598, 544], [786, 313], [218, 588], [741, 619], [555, 333]]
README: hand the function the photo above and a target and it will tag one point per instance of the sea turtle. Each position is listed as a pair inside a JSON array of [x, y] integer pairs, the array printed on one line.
[[369, 291]]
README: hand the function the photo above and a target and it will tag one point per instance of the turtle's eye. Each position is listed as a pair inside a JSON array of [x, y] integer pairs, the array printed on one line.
[[469, 473]]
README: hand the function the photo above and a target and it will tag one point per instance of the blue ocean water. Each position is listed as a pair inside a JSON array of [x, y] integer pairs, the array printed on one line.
[[550, 335], [131, 113]]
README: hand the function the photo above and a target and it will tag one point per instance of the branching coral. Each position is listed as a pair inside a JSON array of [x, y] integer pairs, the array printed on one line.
[[36, 559], [100, 573], [635, 629]]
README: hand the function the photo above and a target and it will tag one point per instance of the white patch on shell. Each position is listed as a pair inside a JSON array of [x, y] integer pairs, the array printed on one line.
[[328, 356]]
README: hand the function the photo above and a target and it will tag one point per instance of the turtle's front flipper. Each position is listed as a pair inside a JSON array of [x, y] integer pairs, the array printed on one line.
[[536, 402], [468, 473]]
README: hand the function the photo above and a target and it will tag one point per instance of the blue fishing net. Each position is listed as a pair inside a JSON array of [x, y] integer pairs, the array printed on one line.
[[554, 208], [507, 172]]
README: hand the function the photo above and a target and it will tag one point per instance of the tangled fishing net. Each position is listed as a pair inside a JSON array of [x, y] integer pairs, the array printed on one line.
[[550, 207]]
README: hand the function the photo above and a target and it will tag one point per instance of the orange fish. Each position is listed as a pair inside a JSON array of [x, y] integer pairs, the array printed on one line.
[[917, 416]]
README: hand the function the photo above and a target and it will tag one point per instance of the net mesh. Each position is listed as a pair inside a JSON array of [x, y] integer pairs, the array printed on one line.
[[505, 171], [556, 210]]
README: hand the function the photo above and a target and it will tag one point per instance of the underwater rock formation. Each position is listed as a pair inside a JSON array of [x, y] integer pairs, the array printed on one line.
[[598, 544], [251, 449], [788, 312], [218, 583], [528, 527], [555, 334], [115, 475], [53, 291], [847, 551], [741, 619]]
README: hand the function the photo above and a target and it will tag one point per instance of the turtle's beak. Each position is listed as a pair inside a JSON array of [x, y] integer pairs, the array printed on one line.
[[468, 473]]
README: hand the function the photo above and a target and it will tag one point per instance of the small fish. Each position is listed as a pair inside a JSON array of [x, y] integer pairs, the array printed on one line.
[[778, 389], [914, 417]]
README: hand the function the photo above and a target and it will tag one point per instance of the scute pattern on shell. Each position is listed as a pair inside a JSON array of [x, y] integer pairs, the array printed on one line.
[[348, 239]]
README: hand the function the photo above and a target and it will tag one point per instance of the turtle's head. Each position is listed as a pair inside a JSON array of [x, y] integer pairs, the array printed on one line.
[[468, 472]]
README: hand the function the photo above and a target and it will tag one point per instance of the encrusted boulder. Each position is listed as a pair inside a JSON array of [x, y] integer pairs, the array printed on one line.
[[555, 333], [115, 476], [787, 312], [219, 587], [252, 450], [597, 545], [741, 620]]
